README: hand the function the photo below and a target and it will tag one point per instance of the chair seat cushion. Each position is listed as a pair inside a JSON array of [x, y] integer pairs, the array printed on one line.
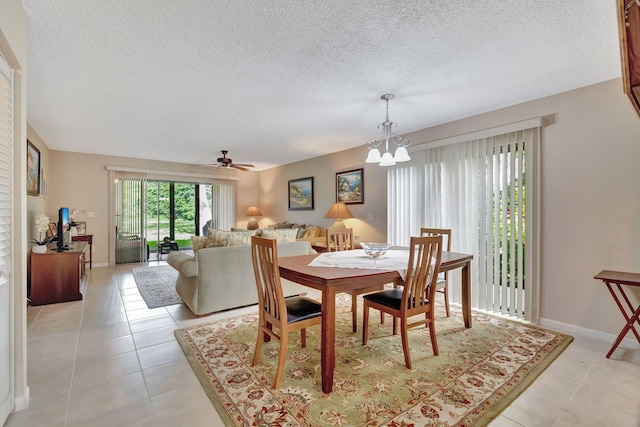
[[389, 297], [301, 308]]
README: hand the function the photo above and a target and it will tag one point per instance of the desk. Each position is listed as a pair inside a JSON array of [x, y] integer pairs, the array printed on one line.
[[619, 279], [89, 239], [331, 280]]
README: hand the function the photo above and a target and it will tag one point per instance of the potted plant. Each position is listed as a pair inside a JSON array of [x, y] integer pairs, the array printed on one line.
[[42, 225]]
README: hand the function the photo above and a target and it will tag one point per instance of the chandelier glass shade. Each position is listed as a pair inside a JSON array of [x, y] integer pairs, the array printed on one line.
[[389, 138]]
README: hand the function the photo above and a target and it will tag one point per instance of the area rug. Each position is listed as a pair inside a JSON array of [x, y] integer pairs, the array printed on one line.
[[157, 285], [478, 373]]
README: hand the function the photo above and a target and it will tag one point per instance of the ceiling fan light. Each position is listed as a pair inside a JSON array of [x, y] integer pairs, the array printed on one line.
[[374, 156], [387, 160], [402, 155]]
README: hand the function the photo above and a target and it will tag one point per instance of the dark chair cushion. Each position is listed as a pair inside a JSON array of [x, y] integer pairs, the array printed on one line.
[[389, 297], [300, 308]]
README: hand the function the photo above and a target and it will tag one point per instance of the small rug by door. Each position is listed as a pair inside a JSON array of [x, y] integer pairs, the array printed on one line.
[[157, 285], [478, 373]]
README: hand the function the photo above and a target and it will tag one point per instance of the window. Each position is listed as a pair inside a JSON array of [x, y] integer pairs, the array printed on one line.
[[485, 190]]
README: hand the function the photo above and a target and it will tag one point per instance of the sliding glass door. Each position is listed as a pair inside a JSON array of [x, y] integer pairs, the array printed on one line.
[[173, 213]]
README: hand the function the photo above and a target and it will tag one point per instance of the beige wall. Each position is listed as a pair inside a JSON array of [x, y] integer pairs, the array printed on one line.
[[37, 205], [273, 195], [590, 210]]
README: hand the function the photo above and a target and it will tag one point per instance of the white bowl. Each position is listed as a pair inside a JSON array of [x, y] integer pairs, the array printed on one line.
[[374, 250]]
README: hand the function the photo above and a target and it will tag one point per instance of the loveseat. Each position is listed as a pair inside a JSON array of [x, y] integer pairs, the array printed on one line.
[[306, 233], [221, 278]]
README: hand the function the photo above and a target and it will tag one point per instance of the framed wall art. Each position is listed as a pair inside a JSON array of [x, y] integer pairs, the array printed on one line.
[[33, 169], [301, 194], [81, 227], [350, 186]]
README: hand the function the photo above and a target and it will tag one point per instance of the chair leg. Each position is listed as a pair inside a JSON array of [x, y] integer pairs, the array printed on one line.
[[354, 312], [303, 337], [395, 325], [365, 322], [405, 342], [446, 298], [434, 339], [284, 343], [259, 341]]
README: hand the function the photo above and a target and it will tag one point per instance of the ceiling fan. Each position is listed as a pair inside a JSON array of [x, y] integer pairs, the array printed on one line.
[[225, 162]]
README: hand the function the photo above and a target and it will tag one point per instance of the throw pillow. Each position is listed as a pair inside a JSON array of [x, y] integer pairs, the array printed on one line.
[[198, 242], [284, 225], [230, 238], [312, 232], [302, 230], [281, 236]]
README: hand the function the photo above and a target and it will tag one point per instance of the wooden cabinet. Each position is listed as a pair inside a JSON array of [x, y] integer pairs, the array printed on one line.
[[58, 276]]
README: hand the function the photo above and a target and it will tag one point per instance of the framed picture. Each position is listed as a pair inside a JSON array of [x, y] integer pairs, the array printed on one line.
[[33, 169], [81, 226], [350, 186], [301, 194]]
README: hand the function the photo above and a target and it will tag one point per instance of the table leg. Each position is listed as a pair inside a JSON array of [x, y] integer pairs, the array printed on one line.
[[327, 346], [631, 320], [624, 331], [466, 294]]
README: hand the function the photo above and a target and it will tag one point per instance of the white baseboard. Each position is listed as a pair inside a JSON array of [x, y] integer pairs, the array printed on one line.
[[627, 342], [22, 402]]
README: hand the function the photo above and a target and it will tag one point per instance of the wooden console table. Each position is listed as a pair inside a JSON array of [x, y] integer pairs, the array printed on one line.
[[89, 239], [58, 276], [631, 314]]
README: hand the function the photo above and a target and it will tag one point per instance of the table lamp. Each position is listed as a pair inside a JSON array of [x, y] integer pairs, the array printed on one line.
[[339, 211], [253, 212]]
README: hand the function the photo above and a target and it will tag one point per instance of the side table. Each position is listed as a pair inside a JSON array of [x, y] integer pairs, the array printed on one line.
[[631, 314], [89, 239]]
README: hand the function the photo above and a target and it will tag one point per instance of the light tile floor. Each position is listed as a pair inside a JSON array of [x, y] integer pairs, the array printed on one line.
[[110, 361]]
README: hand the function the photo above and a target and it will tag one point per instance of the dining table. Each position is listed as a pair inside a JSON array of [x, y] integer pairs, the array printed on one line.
[[331, 280]]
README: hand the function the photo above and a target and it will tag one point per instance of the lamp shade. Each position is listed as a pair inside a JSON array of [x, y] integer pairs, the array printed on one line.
[[253, 211], [387, 160], [339, 211]]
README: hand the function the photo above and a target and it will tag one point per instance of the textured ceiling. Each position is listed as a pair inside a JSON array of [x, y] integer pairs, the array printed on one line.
[[275, 82]]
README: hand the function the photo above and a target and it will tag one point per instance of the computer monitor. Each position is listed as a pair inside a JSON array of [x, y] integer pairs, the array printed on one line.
[[64, 233]]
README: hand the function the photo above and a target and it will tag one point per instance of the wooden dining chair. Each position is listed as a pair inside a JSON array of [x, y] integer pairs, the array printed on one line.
[[416, 296], [286, 314], [341, 239], [442, 286]]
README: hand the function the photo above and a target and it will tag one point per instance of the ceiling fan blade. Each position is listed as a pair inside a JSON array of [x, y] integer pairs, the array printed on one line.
[[235, 166], [248, 165]]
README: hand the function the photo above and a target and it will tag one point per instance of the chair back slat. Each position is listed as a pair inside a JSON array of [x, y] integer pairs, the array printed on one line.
[[267, 274], [339, 239], [444, 232], [425, 254]]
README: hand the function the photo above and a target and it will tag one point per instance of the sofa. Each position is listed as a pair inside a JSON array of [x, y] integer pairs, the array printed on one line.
[[306, 233], [221, 278]]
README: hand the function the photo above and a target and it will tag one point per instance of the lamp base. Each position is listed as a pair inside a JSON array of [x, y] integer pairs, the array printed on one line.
[[338, 224], [253, 224]]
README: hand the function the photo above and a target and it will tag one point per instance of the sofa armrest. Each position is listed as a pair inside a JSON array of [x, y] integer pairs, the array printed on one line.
[[185, 264]]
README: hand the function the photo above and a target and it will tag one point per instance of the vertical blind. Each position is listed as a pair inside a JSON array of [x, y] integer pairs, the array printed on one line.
[[223, 203], [130, 218], [478, 189]]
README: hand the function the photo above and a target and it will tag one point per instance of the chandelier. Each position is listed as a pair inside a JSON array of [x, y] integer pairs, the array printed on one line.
[[401, 143]]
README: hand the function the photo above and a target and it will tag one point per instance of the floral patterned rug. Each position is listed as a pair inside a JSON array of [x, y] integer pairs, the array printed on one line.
[[478, 373]]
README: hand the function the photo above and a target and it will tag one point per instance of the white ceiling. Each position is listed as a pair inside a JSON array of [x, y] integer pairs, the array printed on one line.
[[279, 81]]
